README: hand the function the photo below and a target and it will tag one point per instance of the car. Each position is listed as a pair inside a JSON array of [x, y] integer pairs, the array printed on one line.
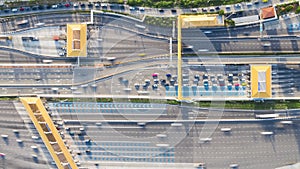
[[22, 9], [41, 7], [207, 32], [194, 10], [90, 5], [14, 10], [249, 4], [234, 166], [75, 5], [266, 133], [246, 33], [122, 7], [60, 5], [131, 8], [104, 5], [238, 5], [97, 5], [54, 6], [142, 9], [228, 7], [204, 9], [67, 5], [2, 155], [204, 140], [200, 166], [266, 45], [256, 2], [217, 8], [82, 5], [203, 50], [35, 8], [211, 9], [173, 10], [112, 6], [226, 129], [27, 8], [161, 11]]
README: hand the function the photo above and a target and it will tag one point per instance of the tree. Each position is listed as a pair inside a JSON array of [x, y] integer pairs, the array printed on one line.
[[298, 10], [222, 12], [289, 8]]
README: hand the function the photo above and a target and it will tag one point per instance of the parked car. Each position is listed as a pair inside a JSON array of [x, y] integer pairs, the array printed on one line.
[[14, 10], [54, 6]]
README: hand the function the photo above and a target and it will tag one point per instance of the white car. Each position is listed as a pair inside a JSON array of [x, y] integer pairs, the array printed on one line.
[[75, 5], [54, 6], [14, 10], [97, 5]]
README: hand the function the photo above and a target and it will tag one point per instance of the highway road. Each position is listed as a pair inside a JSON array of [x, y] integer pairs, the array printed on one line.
[[17, 146], [243, 145], [98, 81], [231, 41]]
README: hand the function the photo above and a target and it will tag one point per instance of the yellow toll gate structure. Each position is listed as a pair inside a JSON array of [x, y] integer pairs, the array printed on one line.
[[48, 133], [205, 20], [261, 81], [76, 40], [190, 21]]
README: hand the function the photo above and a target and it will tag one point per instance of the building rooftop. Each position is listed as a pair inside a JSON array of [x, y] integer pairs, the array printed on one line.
[[268, 12], [207, 20]]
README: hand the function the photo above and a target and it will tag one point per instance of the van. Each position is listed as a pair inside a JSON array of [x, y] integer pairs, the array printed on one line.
[[161, 135], [176, 124], [205, 140], [141, 124]]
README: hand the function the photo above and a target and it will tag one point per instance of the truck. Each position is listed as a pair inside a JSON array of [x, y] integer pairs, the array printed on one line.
[[60, 37], [30, 38], [4, 37], [23, 22]]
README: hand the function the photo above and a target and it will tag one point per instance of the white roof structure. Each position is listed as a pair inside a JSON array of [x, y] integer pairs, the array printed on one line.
[[246, 19], [261, 81]]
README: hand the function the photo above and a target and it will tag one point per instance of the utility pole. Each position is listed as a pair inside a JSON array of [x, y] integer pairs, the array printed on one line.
[[171, 52], [173, 30]]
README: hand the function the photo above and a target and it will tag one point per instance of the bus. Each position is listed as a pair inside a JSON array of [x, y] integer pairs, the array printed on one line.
[[47, 61], [266, 116]]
